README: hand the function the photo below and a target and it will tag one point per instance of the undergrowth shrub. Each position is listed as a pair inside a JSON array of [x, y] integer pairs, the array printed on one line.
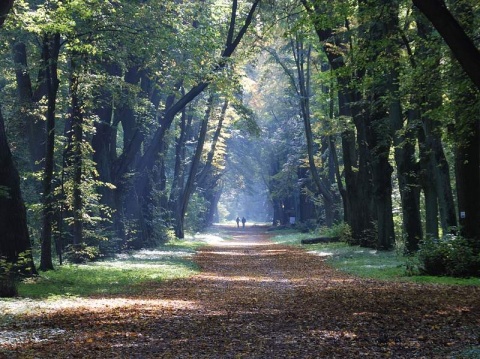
[[306, 226], [452, 255], [8, 284], [81, 253], [12, 272], [342, 231], [369, 237]]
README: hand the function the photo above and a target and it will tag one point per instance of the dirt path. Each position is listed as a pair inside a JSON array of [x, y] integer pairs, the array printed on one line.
[[254, 299]]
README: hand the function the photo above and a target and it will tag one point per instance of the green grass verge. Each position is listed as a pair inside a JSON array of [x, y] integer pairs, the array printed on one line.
[[368, 263], [123, 275]]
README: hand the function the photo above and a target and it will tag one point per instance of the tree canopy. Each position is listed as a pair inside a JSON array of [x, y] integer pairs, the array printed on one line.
[[128, 123]]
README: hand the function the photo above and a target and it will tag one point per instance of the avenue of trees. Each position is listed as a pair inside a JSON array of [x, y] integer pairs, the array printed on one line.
[[124, 123]]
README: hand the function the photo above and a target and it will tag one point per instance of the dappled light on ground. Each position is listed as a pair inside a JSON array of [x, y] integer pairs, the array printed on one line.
[[253, 299], [33, 307], [152, 255]]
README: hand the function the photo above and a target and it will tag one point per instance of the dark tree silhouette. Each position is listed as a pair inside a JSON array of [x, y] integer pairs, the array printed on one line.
[[14, 239]]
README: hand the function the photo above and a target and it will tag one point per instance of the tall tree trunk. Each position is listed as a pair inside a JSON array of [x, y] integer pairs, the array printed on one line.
[[441, 176], [50, 52], [467, 160], [77, 155], [404, 144], [334, 164], [104, 148], [104, 144], [467, 135], [5, 7], [179, 169], [307, 210], [28, 100], [407, 172], [184, 198], [212, 213], [14, 238], [379, 145], [302, 86], [433, 158], [375, 31], [126, 192], [358, 181], [428, 186], [433, 172], [207, 169]]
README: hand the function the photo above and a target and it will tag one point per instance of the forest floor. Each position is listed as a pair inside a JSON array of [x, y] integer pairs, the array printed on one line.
[[255, 299]]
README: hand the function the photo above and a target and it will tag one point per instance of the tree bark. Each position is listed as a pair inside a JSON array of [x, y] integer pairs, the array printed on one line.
[[407, 172], [467, 136], [5, 7], [178, 181], [433, 159], [50, 52], [358, 177], [302, 87], [467, 159], [15, 239], [404, 147], [35, 128], [77, 155], [207, 168], [184, 198], [377, 30]]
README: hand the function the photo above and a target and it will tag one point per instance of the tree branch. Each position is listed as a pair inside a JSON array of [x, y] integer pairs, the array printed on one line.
[[454, 35]]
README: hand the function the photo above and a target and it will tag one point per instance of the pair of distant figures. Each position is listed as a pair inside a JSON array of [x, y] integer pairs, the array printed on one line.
[[243, 222]]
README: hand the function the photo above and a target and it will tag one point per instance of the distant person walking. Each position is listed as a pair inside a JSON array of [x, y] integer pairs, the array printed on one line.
[[243, 222], [238, 222]]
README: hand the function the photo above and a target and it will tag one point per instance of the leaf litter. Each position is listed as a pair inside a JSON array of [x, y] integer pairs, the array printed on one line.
[[252, 299]]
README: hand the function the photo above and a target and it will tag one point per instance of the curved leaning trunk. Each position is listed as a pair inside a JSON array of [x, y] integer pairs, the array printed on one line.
[[14, 238]]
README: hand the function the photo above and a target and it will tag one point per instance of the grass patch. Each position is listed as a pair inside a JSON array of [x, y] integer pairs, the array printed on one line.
[[123, 275], [368, 263], [292, 237]]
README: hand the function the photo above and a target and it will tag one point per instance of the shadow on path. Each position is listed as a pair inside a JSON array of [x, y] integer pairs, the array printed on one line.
[[256, 299]]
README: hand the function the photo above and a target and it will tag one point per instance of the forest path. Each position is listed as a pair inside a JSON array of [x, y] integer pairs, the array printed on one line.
[[256, 299]]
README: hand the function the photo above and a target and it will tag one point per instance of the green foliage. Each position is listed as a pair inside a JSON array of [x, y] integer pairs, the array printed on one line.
[[450, 255], [370, 263], [341, 230], [94, 213], [10, 273], [368, 238], [163, 233], [81, 253], [8, 284]]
